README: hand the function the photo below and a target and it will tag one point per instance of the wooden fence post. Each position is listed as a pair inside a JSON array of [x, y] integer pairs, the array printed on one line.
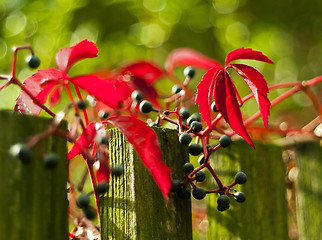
[[33, 200], [264, 213], [134, 207], [309, 190]]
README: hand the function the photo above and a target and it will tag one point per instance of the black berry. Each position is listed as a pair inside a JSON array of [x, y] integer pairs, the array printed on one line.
[[103, 115], [50, 160], [83, 200], [195, 149], [89, 212], [175, 185], [184, 112], [240, 197], [33, 61], [188, 168], [185, 138], [137, 95], [101, 188], [224, 141], [189, 72], [154, 124], [81, 104], [193, 117], [240, 178], [199, 193], [196, 126], [213, 107], [146, 106], [101, 139], [201, 159], [22, 151], [184, 193], [176, 89], [222, 208], [117, 170], [223, 200], [200, 176], [167, 112]]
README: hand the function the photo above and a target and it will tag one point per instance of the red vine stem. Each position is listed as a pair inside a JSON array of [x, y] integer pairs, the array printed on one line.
[[79, 95]]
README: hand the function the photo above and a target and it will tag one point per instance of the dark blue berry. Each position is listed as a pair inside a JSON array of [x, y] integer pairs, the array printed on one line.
[[240, 178], [103, 115], [196, 126], [117, 170], [222, 208], [193, 117], [175, 185], [137, 96], [195, 149], [240, 197], [188, 168], [167, 112], [224, 141], [81, 104], [176, 89], [101, 188], [146, 106], [22, 151], [184, 112], [223, 200], [83, 200], [199, 193], [200, 176], [89, 212], [185, 138], [154, 124], [50, 160], [184, 193], [213, 107], [201, 159], [189, 72], [33, 61], [101, 139]]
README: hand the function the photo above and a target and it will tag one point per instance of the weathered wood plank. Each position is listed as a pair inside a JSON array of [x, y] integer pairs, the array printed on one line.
[[264, 213], [33, 200], [135, 207]]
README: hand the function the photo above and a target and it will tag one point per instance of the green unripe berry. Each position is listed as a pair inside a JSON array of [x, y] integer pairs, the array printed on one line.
[[196, 126], [90, 212], [137, 96], [213, 107], [223, 200], [189, 72], [188, 168], [199, 193], [103, 115], [117, 170], [240, 178], [175, 185], [146, 106], [200, 176], [22, 151], [176, 89], [195, 149], [185, 138], [184, 193], [224, 141], [83, 200], [33, 61], [193, 117], [184, 112], [201, 159], [222, 208], [240, 197], [101, 188], [50, 160]]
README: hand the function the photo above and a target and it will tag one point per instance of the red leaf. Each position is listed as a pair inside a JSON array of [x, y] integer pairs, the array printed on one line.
[[147, 89], [85, 140], [67, 57], [40, 85], [103, 171], [227, 104], [148, 71], [204, 93], [189, 57], [99, 88], [246, 53], [145, 143], [258, 86]]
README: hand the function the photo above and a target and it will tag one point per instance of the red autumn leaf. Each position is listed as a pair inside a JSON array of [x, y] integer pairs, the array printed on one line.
[[103, 171], [246, 53], [189, 57], [67, 57], [145, 143], [257, 84], [40, 85], [204, 93], [99, 88], [227, 104], [85, 140], [148, 71]]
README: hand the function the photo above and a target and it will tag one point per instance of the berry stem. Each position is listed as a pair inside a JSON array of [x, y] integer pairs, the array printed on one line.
[[14, 60], [79, 95]]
